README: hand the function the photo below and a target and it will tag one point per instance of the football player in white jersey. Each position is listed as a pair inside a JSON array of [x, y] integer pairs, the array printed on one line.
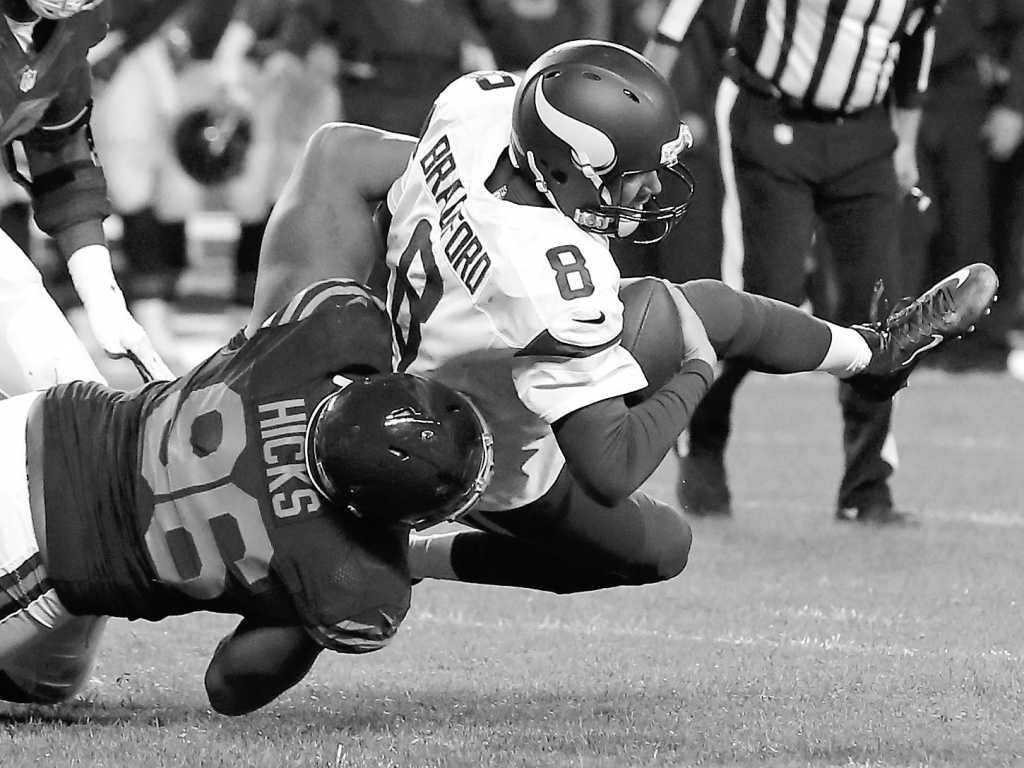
[[500, 284]]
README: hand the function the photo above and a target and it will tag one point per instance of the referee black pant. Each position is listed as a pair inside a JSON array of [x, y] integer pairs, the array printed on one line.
[[795, 170]]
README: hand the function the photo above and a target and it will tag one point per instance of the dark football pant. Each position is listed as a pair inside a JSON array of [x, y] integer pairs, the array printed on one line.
[[567, 542], [792, 172]]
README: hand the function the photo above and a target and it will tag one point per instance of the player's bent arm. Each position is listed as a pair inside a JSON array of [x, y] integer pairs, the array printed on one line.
[[612, 449], [257, 663], [321, 226]]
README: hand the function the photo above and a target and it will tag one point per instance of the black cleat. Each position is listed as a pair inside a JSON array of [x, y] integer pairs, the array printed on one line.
[[702, 489], [945, 311], [11, 691]]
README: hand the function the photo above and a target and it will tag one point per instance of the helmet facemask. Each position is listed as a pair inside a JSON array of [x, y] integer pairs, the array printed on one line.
[[648, 222]]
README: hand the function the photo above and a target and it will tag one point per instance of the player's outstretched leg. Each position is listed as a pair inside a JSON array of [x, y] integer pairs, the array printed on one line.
[[945, 311]]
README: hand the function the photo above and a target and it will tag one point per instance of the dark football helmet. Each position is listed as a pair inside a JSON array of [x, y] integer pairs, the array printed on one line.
[[588, 114], [212, 143], [399, 449]]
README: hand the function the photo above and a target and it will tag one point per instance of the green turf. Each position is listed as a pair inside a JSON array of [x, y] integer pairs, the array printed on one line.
[[790, 640]]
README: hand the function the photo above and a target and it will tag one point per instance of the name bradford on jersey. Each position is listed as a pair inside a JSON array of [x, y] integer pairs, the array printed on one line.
[[461, 245]]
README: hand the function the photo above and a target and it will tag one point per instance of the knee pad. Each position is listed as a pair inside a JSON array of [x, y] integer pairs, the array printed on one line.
[[668, 539], [661, 542], [719, 308]]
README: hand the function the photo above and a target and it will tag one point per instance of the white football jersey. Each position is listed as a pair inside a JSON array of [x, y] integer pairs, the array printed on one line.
[[513, 305]]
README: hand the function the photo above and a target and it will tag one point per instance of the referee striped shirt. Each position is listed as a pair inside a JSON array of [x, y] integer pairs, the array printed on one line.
[[832, 55]]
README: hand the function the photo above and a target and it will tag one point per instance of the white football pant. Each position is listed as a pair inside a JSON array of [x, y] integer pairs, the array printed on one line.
[[38, 347]]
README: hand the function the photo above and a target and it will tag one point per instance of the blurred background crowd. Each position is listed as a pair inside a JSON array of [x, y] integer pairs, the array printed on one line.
[[202, 108]]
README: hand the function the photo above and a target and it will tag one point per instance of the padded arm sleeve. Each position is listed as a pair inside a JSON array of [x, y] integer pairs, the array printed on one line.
[[67, 186], [70, 195]]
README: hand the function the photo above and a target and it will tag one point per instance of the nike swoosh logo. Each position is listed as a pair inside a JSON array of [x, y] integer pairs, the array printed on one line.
[[936, 340], [592, 320], [961, 276]]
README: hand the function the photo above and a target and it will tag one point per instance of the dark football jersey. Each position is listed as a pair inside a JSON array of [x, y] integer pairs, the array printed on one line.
[[51, 87], [194, 494]]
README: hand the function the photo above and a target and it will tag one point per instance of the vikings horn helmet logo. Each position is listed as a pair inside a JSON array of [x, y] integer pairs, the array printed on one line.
[[588, 114]]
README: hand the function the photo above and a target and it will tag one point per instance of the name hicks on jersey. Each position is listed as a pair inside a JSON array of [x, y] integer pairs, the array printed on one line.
[[283, 438], [461, 245]]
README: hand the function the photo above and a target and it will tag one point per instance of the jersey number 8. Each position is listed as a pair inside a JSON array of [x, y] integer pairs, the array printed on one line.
[[567, 261]]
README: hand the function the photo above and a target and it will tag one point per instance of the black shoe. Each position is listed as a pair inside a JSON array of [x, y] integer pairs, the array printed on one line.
[[876, 514], [702, 489], [946, 310], [11, 691]]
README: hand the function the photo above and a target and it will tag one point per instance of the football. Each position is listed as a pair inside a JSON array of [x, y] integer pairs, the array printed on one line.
[[652, 333]]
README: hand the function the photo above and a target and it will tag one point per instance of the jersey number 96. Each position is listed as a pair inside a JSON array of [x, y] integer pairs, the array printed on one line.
[[202, 522]]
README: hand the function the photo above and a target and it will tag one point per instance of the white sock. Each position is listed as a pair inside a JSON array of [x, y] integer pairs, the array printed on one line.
[[848, 353], [430, 557]]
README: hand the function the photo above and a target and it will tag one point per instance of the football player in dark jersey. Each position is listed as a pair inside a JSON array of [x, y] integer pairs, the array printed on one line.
[[497, 158], [45, 101], [278, 480]]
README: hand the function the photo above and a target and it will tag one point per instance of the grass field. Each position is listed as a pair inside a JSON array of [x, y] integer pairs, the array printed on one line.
[[790, 640]]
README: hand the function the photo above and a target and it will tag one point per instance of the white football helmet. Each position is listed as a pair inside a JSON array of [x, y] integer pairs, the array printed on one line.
[[61, 9]]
